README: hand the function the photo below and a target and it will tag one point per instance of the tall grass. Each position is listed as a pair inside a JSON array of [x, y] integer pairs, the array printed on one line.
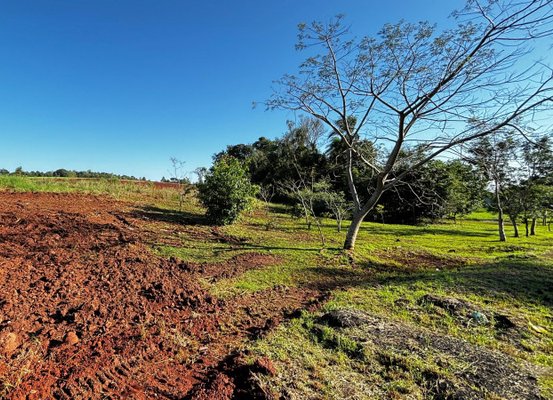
[[116, 188]]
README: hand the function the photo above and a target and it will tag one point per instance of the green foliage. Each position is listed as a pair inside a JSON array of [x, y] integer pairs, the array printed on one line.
[[421, 195], [274, 162], [226, 191], [465, 189]]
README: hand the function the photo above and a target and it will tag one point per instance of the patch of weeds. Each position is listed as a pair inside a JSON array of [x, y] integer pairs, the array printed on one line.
[[331, 339], [546, 386], [19, 366]]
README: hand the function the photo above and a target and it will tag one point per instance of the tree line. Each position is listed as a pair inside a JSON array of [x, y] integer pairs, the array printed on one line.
[[305, 168], [65, 173]]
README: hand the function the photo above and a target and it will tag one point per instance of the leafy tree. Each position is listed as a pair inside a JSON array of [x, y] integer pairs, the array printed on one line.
[[420, 196], [414, 85], [239, 151], [226, 190], [537, 167], [514, 204], [492, 155], [464, 191]]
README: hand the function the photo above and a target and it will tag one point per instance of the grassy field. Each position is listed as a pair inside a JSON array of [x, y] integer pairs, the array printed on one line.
[[447, 308], [137, 191], [395, 267]]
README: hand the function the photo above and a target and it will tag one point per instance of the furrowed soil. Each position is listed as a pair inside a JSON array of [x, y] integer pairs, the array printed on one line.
[[87, 310]]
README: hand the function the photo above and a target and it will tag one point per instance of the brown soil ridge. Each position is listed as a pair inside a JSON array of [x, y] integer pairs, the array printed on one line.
[[88, 311]]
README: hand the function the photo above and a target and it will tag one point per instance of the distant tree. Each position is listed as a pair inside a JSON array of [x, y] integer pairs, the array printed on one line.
[[420, 196], [266, 193], [493, 155], [537, 166], [335, 202], [19, 171], [413, 85], [239, 151], [4, 171], [304, 192], [465, 189], [513, 204], [226, 191], [200, 173]]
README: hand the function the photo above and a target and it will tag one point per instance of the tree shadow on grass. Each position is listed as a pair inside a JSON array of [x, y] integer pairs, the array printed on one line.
[[409, 230], [393, 230], [522, 280], [169, 216], [526, 281]]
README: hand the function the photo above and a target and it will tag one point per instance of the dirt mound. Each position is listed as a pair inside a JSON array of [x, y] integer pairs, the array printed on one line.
[[476, 372], [87, 311]]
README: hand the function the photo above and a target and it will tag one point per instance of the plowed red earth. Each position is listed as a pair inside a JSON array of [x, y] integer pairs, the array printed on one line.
[[88, 311]]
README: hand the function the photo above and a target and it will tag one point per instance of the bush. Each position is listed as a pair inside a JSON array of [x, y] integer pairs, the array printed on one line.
[[226, 190]]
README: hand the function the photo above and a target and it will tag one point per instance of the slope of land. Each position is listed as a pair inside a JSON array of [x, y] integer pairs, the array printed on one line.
[[132, 298]]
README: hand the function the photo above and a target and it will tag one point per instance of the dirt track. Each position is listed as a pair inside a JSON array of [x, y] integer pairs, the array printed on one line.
[[87, 311]]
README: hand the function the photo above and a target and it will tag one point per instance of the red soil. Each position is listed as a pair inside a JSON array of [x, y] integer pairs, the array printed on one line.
[[87, 311]]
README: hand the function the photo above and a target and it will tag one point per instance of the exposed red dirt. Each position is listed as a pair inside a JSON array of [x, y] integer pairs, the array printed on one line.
[[88, 311]]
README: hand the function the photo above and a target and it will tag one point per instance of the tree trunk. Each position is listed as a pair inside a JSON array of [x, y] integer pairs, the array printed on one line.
[[500, 220], [321, 235], [515, 226], [359, 215], [533, 227], [526, 226], [353, 230], [501, 226]]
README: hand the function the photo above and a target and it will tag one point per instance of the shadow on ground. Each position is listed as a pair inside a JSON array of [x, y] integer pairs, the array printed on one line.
[[169, 216], [526, 281]]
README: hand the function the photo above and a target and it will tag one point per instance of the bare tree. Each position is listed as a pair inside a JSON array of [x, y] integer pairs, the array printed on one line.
[[178, 176], [267, 192], [303, 191], [416, 86], [200, 173]]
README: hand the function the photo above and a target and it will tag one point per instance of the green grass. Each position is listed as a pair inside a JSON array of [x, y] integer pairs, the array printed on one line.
[[465, 261]]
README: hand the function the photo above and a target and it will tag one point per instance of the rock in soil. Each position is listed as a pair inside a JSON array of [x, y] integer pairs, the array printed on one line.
[[345, 318], [454, 306], [9, 342]]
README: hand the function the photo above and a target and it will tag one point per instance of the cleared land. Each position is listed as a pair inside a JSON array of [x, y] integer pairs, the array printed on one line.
[[121, 295]]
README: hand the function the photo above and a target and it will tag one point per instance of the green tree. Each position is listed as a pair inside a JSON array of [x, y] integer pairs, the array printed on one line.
[[226, 190], [492, 155], [465, 190]]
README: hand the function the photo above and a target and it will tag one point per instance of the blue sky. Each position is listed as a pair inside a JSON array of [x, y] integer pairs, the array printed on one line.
[[122, 86]]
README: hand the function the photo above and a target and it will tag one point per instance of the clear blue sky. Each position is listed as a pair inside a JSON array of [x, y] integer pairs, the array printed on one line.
[[122, 86]]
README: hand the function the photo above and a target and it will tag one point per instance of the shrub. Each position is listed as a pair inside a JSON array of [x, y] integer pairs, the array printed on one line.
[[226, 190]]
